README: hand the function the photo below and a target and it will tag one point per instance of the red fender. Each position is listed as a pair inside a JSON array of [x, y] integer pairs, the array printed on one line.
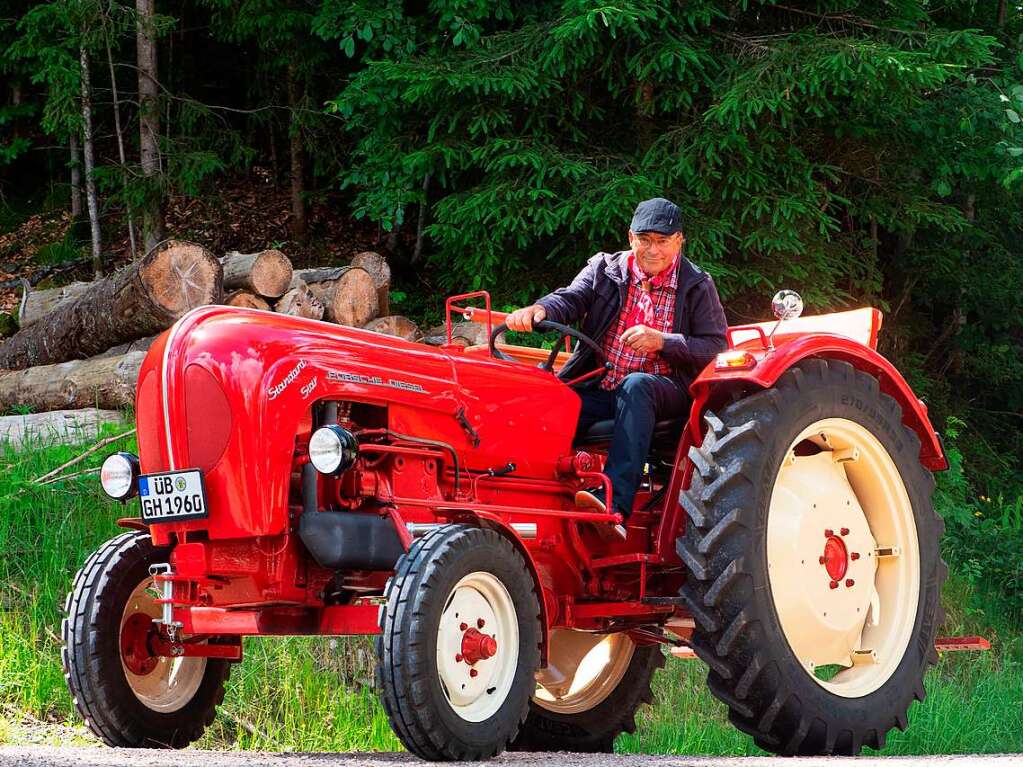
[[771, 364]]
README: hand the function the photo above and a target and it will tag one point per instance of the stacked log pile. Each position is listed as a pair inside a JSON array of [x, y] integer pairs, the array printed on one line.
[[81, 345]]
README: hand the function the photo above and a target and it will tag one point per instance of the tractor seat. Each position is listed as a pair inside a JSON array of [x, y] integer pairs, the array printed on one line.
[[666, 433]]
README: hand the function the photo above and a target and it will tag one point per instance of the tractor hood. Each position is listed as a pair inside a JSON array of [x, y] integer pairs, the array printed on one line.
[[227, 390]]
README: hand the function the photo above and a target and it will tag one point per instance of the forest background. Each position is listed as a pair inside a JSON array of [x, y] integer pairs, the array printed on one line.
[[858, 152]]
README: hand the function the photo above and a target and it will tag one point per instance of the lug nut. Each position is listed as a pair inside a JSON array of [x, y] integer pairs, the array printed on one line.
[[849, 583], [473, 672], [480, 623], [821, 560], [458, 659], [828, 533], [844, 531], [854, 556], [463, 626], [834, 584]]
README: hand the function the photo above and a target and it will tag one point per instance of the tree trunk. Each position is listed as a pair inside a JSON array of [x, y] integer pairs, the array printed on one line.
[[76, 178], [300, 301], [298, 221], [380, 271], [106, 382], [246, 300], [267, 273], [90, 180], [120, 142], [417, 251], [149, 125], [396, 325], [145, 297], [1002, 13], [347, 293], [138, 345]]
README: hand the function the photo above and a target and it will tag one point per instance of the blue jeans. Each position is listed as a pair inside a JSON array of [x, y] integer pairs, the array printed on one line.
[[640, 400]]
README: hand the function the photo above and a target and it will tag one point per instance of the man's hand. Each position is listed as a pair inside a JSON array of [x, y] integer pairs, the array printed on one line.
[[643, 339], [523, 319]]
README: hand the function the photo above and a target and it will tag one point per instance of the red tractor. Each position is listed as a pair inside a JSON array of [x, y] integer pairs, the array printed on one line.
[[301, 478]]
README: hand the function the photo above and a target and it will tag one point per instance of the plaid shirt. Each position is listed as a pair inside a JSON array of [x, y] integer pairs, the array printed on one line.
[[621, 356]]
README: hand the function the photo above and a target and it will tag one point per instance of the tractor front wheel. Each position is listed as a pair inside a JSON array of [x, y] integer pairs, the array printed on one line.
[[814, 570], [459, 644], [127, 696]]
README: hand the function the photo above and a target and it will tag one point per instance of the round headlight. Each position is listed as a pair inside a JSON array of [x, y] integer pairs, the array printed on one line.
[[119, 476], [332, 449]]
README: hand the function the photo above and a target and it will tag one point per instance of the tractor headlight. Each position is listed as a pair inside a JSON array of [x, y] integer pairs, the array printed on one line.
[[119, 476], [333, 449]]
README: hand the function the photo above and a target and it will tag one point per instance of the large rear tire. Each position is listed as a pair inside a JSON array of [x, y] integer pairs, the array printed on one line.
[[814, 568], [589, 693], [126, 697], [459, 644]]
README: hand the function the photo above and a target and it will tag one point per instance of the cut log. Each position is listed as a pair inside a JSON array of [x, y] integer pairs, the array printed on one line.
[[300, 302], [138, 345], [347, 293], [462, 334], [36, 304], [104, 382], [380, 271], [247, 300], [141, 299], [396, 325], [61, 427], [267, 273]]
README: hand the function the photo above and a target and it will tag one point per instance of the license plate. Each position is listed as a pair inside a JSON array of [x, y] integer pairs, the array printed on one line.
[[172, 496]]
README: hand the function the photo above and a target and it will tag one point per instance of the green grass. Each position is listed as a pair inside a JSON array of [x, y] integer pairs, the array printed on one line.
[[314, 694]]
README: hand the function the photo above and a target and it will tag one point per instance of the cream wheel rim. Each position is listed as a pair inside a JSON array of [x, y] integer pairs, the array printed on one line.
[[582, 670], [477, 646], [173, 682], [843, 557]]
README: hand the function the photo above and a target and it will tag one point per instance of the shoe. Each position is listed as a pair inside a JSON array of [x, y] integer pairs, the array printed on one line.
[[591, 499], [621, 532]]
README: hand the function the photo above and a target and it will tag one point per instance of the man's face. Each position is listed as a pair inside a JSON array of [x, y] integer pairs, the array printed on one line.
[[655, 252]]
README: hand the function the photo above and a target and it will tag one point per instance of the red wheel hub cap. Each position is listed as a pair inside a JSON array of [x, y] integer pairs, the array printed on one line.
[[836, 561], [477, 646], [135, 644]]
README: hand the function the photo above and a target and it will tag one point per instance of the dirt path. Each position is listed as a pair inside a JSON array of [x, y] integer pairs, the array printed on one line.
[[47, 756]]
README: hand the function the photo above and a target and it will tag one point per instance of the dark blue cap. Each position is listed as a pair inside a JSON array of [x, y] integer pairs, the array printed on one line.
[[657, 215]]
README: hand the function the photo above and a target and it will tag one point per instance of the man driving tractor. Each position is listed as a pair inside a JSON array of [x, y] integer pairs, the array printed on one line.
[[659, 321]]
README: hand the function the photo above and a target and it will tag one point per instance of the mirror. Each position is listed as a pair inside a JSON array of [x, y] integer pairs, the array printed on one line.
[[787, 304]]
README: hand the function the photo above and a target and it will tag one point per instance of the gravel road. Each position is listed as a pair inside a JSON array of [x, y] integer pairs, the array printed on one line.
[[48, 756]]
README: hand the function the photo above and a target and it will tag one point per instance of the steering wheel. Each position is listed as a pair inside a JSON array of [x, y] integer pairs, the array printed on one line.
[[564, 331]]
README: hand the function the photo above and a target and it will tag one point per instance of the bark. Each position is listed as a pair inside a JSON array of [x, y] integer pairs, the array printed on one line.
[[106, 382], [120, 142], [300, 302], [37, 304], [87, 150], [149, 124], [348, 294], [76, 178], [380, 271], [246, 300], [462, 334], [396, 325], [298, 220], [138, 345], [1002, 13], [145, 297], [29, 432], [267, 273]]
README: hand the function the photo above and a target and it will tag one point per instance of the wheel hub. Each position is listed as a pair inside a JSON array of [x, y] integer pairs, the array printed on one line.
[[836, 558], [135, 644], [477, 646]]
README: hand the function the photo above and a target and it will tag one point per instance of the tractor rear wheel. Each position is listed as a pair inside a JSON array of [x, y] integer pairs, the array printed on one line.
[[589, 693], [127, 696], [459, 644], [814, 570]]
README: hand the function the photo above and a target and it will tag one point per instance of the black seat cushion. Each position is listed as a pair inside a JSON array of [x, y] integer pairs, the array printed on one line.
[[667, 431]]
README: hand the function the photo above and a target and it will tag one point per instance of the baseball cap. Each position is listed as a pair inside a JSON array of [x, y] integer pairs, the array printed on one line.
[[657, 215]]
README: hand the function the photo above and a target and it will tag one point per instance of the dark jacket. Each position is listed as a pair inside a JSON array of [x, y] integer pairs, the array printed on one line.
[[596, 295]]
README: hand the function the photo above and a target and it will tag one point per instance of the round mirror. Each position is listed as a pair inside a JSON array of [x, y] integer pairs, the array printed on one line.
[[787, 305]]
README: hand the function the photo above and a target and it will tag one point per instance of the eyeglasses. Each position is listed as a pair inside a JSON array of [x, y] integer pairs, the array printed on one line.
[[647, 242]]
